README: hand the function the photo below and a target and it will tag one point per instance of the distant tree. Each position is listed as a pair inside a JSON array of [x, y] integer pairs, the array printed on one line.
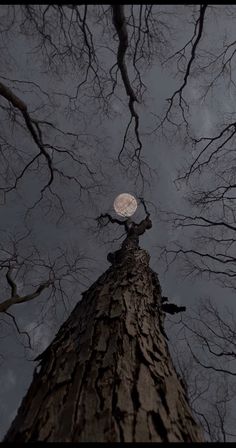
[[206, 88], [28, 274], [207, 338]]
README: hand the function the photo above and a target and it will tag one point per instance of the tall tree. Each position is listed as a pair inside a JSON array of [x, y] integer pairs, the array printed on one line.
[[108, 375], [207, 338], [207, 243], [94, 60]]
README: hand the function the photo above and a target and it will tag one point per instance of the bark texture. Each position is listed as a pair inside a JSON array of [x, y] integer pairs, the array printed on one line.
[[108, 375]]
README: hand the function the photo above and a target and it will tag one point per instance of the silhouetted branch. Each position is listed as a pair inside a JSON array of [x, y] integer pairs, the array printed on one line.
[[194, 42], [119, 21]]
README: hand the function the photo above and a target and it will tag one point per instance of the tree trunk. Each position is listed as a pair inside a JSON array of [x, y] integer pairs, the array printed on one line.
[[108, 375]]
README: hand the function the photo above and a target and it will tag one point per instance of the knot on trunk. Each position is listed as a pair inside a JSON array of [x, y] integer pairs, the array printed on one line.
[[129, 256]]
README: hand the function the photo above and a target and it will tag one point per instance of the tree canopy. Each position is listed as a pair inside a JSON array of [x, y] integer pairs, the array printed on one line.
[[100, 99]]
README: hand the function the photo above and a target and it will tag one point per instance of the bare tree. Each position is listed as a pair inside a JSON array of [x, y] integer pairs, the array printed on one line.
[[205, 356], [94, 42], [27, 276], [207, 246], [89, 58], [108, 372], [47, 140]]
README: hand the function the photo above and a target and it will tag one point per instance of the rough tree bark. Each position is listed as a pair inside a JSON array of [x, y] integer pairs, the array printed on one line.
[[108, 375]]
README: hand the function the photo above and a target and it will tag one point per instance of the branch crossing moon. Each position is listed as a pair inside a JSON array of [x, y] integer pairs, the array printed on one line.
[[125, 205]]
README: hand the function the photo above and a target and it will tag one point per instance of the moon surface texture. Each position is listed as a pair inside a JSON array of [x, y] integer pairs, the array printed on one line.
[[125, 205]]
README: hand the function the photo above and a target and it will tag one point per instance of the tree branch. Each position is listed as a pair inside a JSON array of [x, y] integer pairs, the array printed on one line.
[[119, 22], [16, 300], [16, 102]]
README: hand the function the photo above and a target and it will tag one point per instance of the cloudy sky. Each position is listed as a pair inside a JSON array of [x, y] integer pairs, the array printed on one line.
[[54, 88]]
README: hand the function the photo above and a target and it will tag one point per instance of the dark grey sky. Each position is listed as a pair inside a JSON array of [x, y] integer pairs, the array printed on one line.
[[77, 230]]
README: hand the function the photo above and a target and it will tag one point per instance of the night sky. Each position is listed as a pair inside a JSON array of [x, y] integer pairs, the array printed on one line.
[[94, 130]]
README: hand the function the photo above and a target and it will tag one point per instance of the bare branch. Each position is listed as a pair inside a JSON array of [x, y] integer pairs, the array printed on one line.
[[119, 22], [16, 300]]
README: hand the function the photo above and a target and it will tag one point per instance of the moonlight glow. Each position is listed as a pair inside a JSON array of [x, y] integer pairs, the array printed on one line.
[[125, 204]]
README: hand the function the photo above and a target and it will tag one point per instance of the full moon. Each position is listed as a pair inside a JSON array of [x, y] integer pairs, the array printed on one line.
[[125, 205]]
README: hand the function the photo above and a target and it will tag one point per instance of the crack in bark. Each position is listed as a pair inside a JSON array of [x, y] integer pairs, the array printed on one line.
[[135, 392], [83, 382], [162, 393], [159, 425], [101, 371], [116, 411]]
